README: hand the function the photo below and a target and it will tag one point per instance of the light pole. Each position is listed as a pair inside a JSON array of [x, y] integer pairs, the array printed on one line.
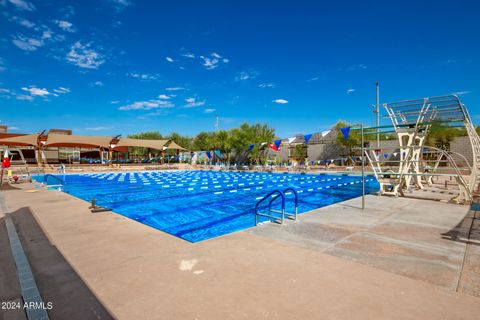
[[363, 168], [377, 111]]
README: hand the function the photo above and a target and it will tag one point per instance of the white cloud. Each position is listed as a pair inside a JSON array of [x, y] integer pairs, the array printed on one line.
[[61, 90], [41, 92], [27, 44], [356, 67], [147, 105], [450, 61], [65, 25], [23, 5], [169, 59], [246, 75], [163, 96], [143, 76], [98, 128], [460, 93], [193, 102], [84, 57], [267, 85], [67, 11], [188, 55], [313, 79], [46, 34], [98, 83], [34, 91], [349, 91], [114, 102], [22, 21], [213, 61], [280, 101], [210, 110], [24, 97], [175, 88], [120, 4]]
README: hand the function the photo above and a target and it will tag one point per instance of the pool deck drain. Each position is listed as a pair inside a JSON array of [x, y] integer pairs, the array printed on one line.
[[335, 263]]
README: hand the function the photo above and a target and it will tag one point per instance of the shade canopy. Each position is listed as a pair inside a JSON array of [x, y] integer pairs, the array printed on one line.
[[70, 141], [175, 146], [144, 143], [21, 140]]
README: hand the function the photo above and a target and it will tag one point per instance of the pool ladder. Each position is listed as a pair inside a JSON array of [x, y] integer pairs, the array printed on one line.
[[45, 180], [272, 196]]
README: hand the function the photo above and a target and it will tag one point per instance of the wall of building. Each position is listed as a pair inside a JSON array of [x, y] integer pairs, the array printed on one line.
[[463, 146]]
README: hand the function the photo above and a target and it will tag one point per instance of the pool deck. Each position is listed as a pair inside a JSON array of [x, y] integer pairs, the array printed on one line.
[[400, 258]]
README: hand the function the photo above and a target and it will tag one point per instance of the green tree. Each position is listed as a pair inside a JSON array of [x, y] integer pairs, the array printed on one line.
[[203, 141], [148, 135], [354, 139], [299, 152], [441, 135], [183, 141], [222, 141], [245, 135]]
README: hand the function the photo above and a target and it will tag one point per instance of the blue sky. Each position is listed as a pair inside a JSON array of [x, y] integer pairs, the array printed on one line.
[[122, 66]]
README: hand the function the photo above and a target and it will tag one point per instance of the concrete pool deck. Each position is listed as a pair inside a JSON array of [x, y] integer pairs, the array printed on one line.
[[399, 259]]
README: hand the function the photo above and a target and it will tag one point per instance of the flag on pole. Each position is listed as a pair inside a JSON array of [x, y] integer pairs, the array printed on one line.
[[307, 137], [5, 160], [277, 144], [273, 147], [346, 132]]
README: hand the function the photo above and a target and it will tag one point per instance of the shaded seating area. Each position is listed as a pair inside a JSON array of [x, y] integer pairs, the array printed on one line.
[[104, 145]]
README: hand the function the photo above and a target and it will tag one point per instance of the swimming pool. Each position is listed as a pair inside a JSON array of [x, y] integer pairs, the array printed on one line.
[[199, 205]]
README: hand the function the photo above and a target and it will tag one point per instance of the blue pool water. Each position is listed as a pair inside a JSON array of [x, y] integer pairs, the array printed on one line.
[[198, 205]]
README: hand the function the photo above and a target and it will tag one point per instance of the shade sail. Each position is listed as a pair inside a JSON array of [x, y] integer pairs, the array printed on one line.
[[144, 143], [21, 140], [70, 141], [175, 146]]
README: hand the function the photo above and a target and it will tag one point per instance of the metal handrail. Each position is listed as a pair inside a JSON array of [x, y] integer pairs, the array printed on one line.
[[45, 177], [274, 195], [295, 193], [278, 193]]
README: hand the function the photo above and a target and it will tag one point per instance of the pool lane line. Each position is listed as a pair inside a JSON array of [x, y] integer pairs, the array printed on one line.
[[158, 189], [225, 191]]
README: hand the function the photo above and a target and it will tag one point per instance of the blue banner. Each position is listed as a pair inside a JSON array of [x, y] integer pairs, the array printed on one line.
[[345, 132], [307, 137], [218, 153], [277, 143], [209, 154], [250, 147]]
